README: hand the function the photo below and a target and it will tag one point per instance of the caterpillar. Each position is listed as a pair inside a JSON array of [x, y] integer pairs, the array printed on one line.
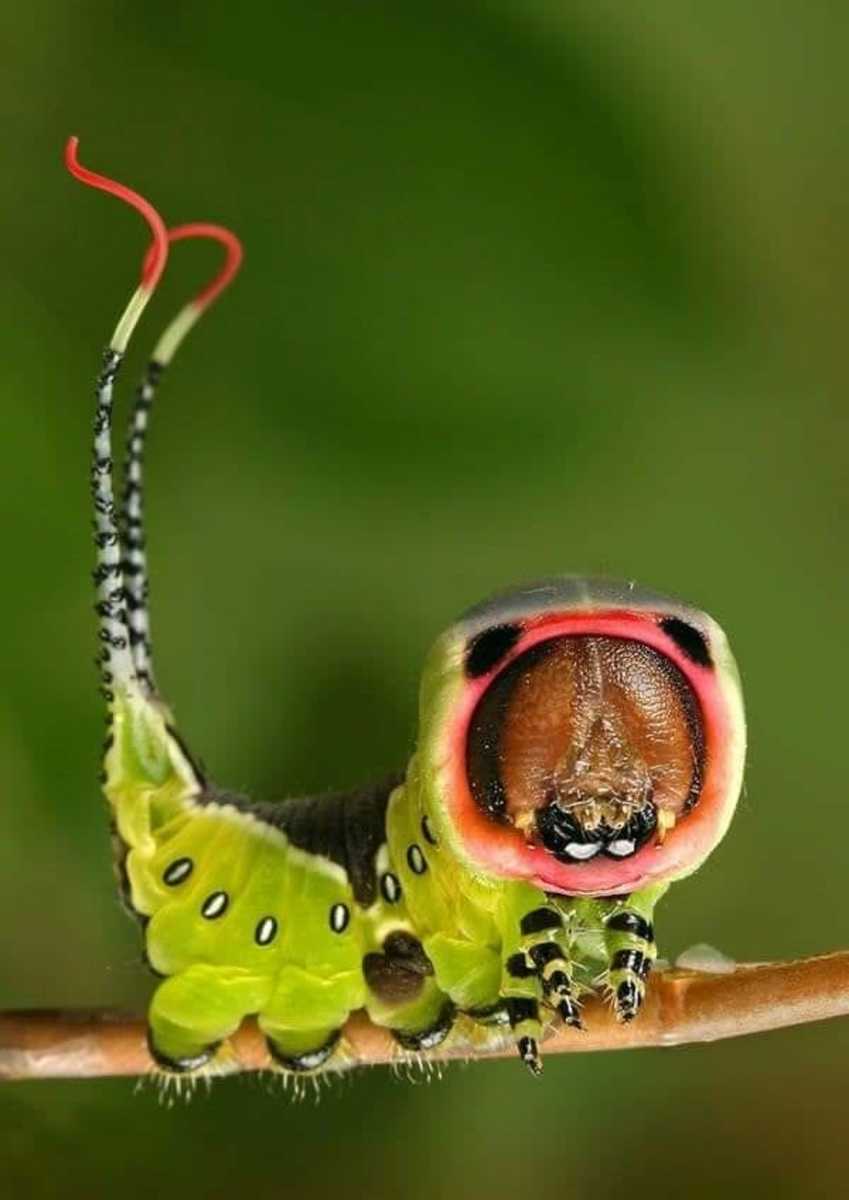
[[580, 747]]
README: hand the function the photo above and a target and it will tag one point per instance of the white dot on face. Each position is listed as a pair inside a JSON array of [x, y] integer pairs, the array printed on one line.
[[622, 847], [582, 850]]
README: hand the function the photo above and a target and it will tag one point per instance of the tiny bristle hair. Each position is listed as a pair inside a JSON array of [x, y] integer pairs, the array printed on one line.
[[115, 656]]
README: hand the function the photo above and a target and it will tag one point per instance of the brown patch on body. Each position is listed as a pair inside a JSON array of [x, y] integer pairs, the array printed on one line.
[[397, 975]]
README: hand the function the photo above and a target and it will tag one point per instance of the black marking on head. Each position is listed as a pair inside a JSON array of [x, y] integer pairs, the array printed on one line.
[[518, 967], [427, 832], [416, 861], [311, 1060], [390, 887], [631, 922], [266, 931], [340, 916], [178, 871], [628, 960], [429, 1038], [687, 638], [539, 920], [215, 905], [486, 649]]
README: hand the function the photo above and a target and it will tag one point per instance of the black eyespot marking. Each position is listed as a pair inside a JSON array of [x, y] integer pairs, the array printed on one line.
[[177, 871], [688, 639], [266, 931], [215, 905], [427, 832], [489, 647], [340, 915], [390, 888], [416, 861], [539, 920]]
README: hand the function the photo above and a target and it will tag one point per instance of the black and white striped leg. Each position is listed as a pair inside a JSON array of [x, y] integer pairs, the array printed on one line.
[[631, 951], [523, 1013], [554, 970]]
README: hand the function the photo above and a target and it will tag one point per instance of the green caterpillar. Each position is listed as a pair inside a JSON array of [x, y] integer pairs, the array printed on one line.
[[580, 746]]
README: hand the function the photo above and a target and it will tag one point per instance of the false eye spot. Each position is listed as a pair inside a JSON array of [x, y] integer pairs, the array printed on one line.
[[416, 861], [487, 649], [688, 639], [390, 888], [266, 931], [177, 871], [340, 916], [215, 905]]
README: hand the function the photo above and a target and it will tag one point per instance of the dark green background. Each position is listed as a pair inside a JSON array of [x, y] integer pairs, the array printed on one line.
[[529, 287]]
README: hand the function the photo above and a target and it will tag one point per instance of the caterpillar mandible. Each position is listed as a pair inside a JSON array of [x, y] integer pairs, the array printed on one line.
[[580, 747]]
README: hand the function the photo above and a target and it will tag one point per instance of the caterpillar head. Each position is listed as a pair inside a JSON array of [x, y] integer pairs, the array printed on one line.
[[582, 734]]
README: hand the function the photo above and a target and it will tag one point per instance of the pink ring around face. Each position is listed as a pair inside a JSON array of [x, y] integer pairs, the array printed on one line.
[[504, 851]]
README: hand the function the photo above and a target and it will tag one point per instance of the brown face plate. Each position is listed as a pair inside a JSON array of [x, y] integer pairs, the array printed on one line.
[[590, 732]]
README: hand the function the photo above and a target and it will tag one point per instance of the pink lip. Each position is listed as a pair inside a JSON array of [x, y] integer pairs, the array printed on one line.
[[504, 850]]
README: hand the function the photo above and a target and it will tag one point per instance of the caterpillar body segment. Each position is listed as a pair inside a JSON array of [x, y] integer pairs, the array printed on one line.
[[580, 747]]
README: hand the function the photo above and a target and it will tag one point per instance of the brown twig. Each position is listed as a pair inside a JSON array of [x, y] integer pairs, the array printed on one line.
[[681, 1006]]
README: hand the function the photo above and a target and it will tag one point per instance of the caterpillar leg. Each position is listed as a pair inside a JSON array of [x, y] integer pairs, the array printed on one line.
[[631, 950], [303, 1018], [537, 969], [193, 1012]]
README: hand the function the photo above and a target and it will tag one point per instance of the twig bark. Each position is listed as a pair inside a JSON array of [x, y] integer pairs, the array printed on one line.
[[681, 1007]]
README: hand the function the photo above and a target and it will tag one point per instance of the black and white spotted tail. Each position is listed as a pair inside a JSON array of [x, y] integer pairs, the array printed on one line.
[[120, 574]]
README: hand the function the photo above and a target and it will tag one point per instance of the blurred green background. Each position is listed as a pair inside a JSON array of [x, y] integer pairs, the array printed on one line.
[[530, 286]]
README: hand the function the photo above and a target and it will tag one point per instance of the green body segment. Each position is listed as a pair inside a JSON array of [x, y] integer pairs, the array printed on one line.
[[242, 921]]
